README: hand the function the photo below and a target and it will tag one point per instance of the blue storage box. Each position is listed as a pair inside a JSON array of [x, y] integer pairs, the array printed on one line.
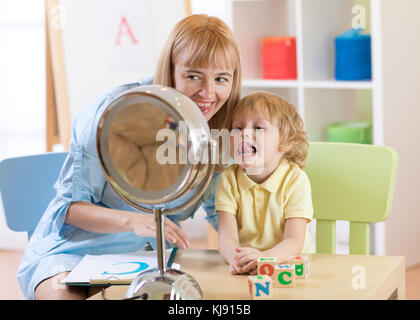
[[353, 56]]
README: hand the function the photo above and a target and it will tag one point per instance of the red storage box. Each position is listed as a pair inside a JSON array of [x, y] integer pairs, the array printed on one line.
[[279, 58]]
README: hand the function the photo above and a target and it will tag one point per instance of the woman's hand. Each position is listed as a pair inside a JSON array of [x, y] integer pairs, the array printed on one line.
[[93, 218], [144, 225]]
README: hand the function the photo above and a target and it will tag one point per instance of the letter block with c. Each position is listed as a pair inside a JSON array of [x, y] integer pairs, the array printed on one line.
[[284, 276]]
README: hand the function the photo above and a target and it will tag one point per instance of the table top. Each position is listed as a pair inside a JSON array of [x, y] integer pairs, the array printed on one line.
[[344, 277]]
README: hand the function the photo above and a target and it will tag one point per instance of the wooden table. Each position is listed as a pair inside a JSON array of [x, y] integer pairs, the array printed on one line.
[[344, 277]]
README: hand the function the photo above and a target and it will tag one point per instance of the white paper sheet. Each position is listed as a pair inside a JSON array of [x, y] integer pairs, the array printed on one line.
[[112, 268]]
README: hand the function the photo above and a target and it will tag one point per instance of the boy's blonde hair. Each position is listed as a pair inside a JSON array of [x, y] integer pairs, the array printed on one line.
[[205, 41], [282, 114]]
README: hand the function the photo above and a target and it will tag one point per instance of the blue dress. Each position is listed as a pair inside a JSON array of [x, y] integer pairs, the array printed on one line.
[[56, 247]]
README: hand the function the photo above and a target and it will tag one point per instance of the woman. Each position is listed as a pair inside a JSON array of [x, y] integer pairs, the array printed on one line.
[[201, 59]]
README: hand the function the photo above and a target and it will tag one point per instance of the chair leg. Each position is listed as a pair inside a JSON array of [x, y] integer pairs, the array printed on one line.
[[359, 238], [325, 236]]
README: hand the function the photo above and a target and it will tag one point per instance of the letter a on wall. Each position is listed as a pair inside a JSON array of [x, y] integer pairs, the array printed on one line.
[[124, 29], [129, 35]]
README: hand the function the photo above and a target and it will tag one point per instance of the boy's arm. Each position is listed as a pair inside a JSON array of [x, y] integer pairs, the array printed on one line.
[[298, 213], [291, 245], [228, 238], [293, 240]]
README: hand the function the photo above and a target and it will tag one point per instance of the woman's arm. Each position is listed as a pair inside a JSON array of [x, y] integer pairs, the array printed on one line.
[[90, 217], [228, 238]]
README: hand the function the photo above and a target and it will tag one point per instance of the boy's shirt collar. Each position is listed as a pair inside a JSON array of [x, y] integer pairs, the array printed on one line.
[[271, 184]]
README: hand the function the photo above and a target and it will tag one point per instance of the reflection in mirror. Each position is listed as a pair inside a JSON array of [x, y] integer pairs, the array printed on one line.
[[133, 147]]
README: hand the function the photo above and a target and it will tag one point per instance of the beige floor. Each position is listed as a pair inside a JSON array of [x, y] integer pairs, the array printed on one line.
[[9, 286]]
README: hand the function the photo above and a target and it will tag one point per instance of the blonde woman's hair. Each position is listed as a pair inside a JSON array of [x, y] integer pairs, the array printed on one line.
[[205, 41], [282, 114]]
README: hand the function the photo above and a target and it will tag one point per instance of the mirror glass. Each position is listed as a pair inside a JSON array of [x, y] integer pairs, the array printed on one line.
[[139, 146], [134, 149]]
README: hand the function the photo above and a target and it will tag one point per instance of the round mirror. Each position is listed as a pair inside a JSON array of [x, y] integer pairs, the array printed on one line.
[[153, 144], [155, 148]]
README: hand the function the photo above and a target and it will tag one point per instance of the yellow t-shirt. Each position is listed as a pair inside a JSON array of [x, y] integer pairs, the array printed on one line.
[[261, 210]]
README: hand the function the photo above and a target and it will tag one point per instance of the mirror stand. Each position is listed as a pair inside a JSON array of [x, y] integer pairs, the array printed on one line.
[[160, 240], [163, 283]]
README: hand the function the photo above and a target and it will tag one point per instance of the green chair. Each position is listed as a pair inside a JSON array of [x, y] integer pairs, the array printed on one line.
[[351, 182]]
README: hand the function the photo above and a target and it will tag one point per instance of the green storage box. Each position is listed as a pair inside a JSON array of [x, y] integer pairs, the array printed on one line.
[[350, 131]]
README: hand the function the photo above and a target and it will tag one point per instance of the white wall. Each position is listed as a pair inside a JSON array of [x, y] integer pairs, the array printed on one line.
[[93, 61], [401, 72], [22, 89]]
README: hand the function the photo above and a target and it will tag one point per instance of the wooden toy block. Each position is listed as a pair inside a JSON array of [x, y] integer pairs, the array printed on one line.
[[266, 266], [260, 287], [284, 276], [301, 266]]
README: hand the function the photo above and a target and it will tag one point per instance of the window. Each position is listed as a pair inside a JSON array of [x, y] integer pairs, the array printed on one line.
[[22, 88]]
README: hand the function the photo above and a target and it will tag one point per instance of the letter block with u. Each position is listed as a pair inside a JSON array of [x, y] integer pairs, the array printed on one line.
[[284, 276], [260, 287]]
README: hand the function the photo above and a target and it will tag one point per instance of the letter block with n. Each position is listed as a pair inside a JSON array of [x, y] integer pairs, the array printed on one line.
[[260, 287], [301, 264], [284, 276]]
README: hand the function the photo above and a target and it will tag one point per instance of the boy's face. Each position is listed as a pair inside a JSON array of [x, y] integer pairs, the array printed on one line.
[[255, 142]]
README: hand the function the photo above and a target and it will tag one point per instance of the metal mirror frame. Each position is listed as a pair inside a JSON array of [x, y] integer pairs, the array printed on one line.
[[189, 173], [124, 187]]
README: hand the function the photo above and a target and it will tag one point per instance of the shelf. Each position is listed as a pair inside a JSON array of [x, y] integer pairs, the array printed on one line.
[[321, 22], [325, 106], [321, 84], [334, 84], [254, 20], [286, 89], [262, 83]]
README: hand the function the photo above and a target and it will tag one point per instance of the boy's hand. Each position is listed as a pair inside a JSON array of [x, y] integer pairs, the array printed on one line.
[[247, 259], [233, 269]]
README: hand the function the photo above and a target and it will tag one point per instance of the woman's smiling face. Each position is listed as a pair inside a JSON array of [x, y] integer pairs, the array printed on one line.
[[208, 87]]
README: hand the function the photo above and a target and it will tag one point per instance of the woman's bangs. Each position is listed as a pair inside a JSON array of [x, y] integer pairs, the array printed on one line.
[[208, 51]]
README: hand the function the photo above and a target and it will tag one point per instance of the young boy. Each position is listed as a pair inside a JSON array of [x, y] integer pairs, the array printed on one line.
[[264, 200]]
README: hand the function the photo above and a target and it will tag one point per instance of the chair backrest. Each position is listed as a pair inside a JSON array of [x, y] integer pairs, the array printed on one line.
[[352, 182], [26, 188]]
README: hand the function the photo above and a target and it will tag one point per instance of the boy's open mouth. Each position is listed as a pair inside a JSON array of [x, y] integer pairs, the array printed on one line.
[[246, 149]]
